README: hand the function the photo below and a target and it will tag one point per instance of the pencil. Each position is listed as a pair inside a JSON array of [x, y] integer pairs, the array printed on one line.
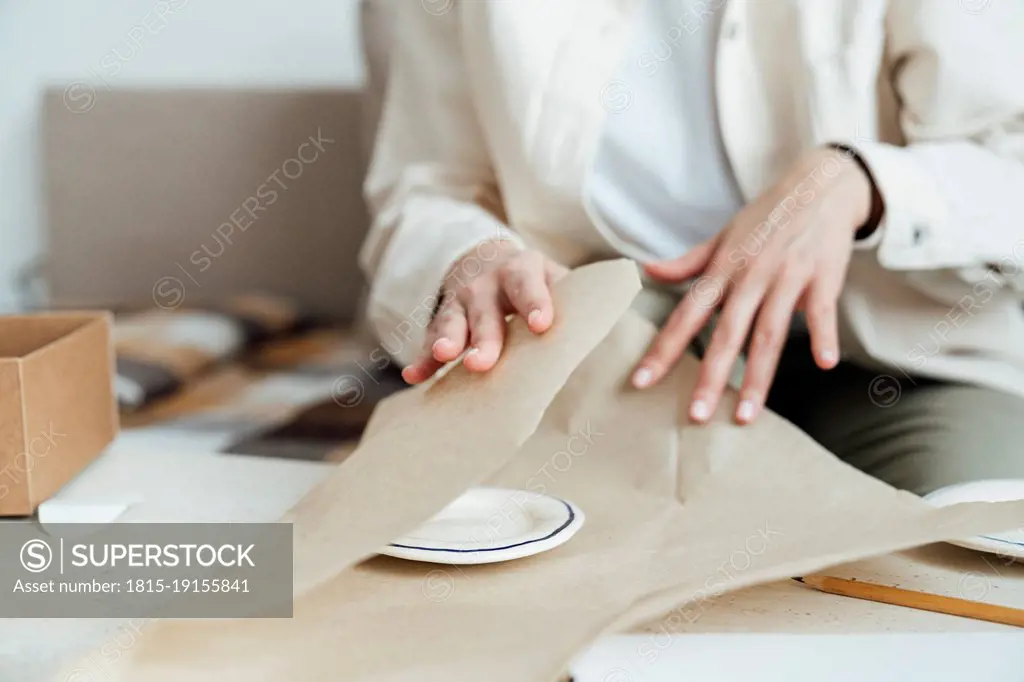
[[915, 600]]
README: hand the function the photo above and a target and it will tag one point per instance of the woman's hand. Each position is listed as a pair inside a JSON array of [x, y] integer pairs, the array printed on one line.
[[787, 250], [477, 295]]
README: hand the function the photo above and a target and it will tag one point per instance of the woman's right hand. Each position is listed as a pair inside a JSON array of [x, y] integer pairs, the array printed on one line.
[[477, 295]]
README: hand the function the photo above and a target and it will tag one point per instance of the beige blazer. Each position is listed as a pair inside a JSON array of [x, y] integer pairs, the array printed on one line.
[[494, 109]]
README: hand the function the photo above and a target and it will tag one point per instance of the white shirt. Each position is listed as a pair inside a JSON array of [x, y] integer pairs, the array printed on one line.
[[662, 180]]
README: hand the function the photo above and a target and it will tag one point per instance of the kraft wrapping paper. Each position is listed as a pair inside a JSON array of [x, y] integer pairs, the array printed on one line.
[[676, 515]]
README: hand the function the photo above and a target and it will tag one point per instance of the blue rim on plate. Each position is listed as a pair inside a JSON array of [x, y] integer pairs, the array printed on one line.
[[568, 522], [1014, 543], [990, 490]]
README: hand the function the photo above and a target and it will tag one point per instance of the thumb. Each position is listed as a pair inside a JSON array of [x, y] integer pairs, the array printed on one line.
[[690, 264]]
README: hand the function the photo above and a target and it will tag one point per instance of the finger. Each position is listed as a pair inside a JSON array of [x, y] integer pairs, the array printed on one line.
[[422, 369], [823, 327], [449, 331], [446, 339], [524, 281], [731, 332], [691, 264], [820, 311], [486, 326], [770, 333], [685, 322]]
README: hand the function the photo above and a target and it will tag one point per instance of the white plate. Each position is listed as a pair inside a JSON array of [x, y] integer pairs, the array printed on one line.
[[487, 525], [1008, 544]]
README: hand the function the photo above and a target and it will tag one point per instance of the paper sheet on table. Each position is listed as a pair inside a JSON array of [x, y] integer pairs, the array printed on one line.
[[676, 514]]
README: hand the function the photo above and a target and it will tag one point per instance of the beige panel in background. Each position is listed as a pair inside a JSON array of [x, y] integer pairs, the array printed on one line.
[[138, 183]]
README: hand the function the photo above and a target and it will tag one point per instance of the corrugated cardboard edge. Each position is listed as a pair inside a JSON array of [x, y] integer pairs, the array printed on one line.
[[54, 468], [15, 490]]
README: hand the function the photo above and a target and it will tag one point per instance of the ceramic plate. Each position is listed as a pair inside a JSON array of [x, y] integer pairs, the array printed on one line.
[[1008, 544], [487, 525]]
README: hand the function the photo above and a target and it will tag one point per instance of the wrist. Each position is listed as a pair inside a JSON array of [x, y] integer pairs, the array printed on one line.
[[870, 207], [859, 190]]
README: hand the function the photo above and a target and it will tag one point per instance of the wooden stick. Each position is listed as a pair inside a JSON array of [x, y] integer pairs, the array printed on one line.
[[915, 600]]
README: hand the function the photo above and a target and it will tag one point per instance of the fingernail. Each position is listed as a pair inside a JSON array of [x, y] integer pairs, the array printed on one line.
[[745, 412], [642, 378], [533, 318], [438, 343], [828, 357], [699, 411]]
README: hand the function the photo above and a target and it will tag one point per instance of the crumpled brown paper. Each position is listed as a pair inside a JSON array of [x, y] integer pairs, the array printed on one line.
[[676, 514]]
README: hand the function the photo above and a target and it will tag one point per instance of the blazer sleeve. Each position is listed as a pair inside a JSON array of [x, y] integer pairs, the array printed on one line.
[[431, 187], [954, 195]]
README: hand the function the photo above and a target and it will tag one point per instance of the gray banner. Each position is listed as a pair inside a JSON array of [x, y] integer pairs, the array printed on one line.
[[151, 570]]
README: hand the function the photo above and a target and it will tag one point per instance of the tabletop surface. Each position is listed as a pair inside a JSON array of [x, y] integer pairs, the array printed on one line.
[[950, 657], [756, 633]]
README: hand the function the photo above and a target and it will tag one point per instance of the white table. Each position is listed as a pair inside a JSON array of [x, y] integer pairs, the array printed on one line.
[[735, 639], [975, 657]]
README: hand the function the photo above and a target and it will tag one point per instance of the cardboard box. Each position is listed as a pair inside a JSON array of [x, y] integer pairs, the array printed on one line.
[[57, 405]]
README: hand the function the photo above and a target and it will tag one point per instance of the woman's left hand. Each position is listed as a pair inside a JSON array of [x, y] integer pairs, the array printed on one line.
[[787, 250]]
